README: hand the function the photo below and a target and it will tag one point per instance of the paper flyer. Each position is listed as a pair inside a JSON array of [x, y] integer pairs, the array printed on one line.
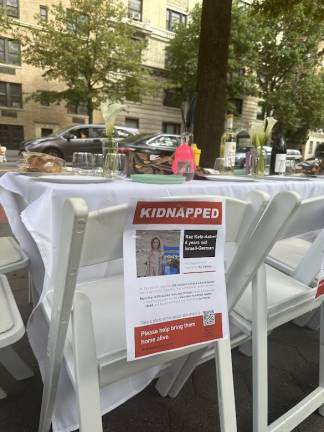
[[174, 283]]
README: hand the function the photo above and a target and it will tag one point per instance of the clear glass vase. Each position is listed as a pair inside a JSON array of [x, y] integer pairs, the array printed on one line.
[[258, 162], [111, 164]]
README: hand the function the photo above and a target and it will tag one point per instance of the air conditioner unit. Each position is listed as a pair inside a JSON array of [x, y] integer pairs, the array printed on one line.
[[135, 16]]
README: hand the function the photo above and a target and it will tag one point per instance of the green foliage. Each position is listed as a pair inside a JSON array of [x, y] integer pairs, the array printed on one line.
[[182, 54], [288, 68], [93, 49], [274, 53]]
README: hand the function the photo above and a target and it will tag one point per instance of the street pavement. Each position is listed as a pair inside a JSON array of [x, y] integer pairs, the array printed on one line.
[[293, 373]]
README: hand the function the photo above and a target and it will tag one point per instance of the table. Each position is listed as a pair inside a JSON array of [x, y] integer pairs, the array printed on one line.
[[34, 212]]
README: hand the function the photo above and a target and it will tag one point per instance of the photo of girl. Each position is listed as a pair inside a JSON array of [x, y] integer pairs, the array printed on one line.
[[154, 258], [157, 253]]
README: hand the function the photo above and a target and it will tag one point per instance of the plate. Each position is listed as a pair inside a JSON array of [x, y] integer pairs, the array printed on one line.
[[286, 178], [57, 178], [158, 178], [229, 178]]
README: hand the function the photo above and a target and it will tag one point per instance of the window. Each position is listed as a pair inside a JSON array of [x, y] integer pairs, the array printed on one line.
[[310, 147], [43, 13], [11, 136], [80, 108], [77, 22], [11, 7], [10, 95], [132, 123], [46, 131], [44, 99], [79, 133], [237, 106], [170, 99], [171, 128], [135, 9], [260, 114], [166, 141], [9, 51], [98, 132], [174, 18]]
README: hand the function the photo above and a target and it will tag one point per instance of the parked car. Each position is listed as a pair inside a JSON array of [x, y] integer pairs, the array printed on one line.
[[155, 144], [150, 153], [80, 138], [294, 155]]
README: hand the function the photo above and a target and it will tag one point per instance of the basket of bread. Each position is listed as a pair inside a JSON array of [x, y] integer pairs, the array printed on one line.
[[42, 163]]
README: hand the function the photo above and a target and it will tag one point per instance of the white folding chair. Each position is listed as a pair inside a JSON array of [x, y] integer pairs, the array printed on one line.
[[273, 221], [11, 330], [95, 348], [12, 257], [272, 299]]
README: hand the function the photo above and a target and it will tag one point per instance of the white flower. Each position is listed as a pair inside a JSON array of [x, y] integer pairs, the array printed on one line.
[[110, 111], [261, 131]]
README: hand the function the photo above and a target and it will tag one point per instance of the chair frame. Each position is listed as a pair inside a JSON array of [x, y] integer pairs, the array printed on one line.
[[67, 301]]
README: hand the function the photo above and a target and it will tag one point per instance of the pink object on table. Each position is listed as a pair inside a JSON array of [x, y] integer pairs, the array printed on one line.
[[184, 161]]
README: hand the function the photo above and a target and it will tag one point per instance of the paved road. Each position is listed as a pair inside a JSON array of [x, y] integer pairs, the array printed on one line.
[[293, 359]]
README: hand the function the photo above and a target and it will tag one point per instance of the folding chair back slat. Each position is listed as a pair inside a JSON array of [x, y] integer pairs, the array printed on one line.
[[103, 238], [252, 254]]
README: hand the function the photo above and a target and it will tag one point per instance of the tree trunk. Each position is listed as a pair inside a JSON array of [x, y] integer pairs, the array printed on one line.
[[211, 80], [90, 110]]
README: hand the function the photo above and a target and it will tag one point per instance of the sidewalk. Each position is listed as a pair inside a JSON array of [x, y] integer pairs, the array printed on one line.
[[293, 359]]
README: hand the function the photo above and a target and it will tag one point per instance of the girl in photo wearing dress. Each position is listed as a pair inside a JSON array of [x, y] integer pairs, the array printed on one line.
[[154, 258]]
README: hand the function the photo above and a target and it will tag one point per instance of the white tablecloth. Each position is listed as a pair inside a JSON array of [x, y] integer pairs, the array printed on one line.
[[34, 210]]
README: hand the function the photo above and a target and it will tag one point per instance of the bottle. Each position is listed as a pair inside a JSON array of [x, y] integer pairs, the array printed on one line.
[[184, 160], [229, 139], [197, 153], [279, 150]]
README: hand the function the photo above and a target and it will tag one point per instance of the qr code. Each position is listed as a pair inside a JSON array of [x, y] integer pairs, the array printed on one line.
[[208, 318]]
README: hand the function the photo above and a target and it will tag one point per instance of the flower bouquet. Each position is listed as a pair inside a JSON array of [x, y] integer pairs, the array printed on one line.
[[109, 112], [259, 133]]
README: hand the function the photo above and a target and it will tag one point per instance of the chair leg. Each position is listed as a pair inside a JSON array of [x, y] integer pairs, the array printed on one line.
[[3, 394], [260, 352], [321, 355], [185, 372], [86, 365], [14, 364], [167, 380], [225, 385], [246, 348]]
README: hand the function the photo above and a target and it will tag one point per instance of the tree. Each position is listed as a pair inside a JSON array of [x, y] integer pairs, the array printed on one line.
[[93, 49], [182, 56], [211, 77]]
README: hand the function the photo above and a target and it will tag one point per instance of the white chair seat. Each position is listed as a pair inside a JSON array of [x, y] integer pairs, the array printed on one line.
[[289, 252], [11, 255], [11, 325], [282, 291], [107, 306], [6, 320]]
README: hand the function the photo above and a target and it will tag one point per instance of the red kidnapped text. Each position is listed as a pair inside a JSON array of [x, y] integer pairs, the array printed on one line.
[[184, 212]]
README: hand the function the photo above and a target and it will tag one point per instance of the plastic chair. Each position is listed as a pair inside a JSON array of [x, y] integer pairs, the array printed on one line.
[[95, 348], [12, 257], [272, 299], [11, 330]]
